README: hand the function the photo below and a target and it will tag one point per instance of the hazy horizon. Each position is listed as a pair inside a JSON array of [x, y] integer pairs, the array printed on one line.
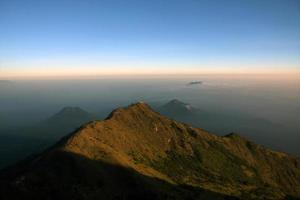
[[265, 99]]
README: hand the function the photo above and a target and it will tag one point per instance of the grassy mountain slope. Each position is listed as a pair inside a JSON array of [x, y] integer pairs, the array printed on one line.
[[137, 152], [259, 130]]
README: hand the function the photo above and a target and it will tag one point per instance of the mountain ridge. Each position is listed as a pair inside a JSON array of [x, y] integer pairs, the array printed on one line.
[[260, 130], [151, 145]]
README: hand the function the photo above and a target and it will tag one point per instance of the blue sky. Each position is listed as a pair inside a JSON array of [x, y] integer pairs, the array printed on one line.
[[59, 36]]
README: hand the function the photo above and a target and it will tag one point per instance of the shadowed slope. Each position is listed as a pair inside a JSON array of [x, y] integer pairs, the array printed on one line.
[[65, 175], [164, 155]]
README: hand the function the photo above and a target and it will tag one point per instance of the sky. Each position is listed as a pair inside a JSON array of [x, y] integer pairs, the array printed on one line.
[[41, 38]]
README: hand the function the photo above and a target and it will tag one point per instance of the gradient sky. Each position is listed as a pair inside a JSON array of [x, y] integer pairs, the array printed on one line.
[[77, 37]]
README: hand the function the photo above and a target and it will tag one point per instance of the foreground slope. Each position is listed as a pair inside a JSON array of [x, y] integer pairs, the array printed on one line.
[[137, 153]]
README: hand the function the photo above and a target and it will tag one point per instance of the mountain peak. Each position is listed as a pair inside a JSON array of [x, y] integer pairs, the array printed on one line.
[[176, 101], [69, 114], [140, 104], [135, 108], [71, 109], [177, 105]]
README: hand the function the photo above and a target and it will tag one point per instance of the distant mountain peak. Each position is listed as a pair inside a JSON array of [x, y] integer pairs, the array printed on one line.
[[176, 104], [71, 109], [176, 101], [70, 114]]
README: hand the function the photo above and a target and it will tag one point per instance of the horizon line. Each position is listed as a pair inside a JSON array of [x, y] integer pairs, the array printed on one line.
[[290, 74]]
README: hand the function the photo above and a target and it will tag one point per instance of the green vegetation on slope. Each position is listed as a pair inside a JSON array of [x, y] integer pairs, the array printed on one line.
[[158, 157]]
